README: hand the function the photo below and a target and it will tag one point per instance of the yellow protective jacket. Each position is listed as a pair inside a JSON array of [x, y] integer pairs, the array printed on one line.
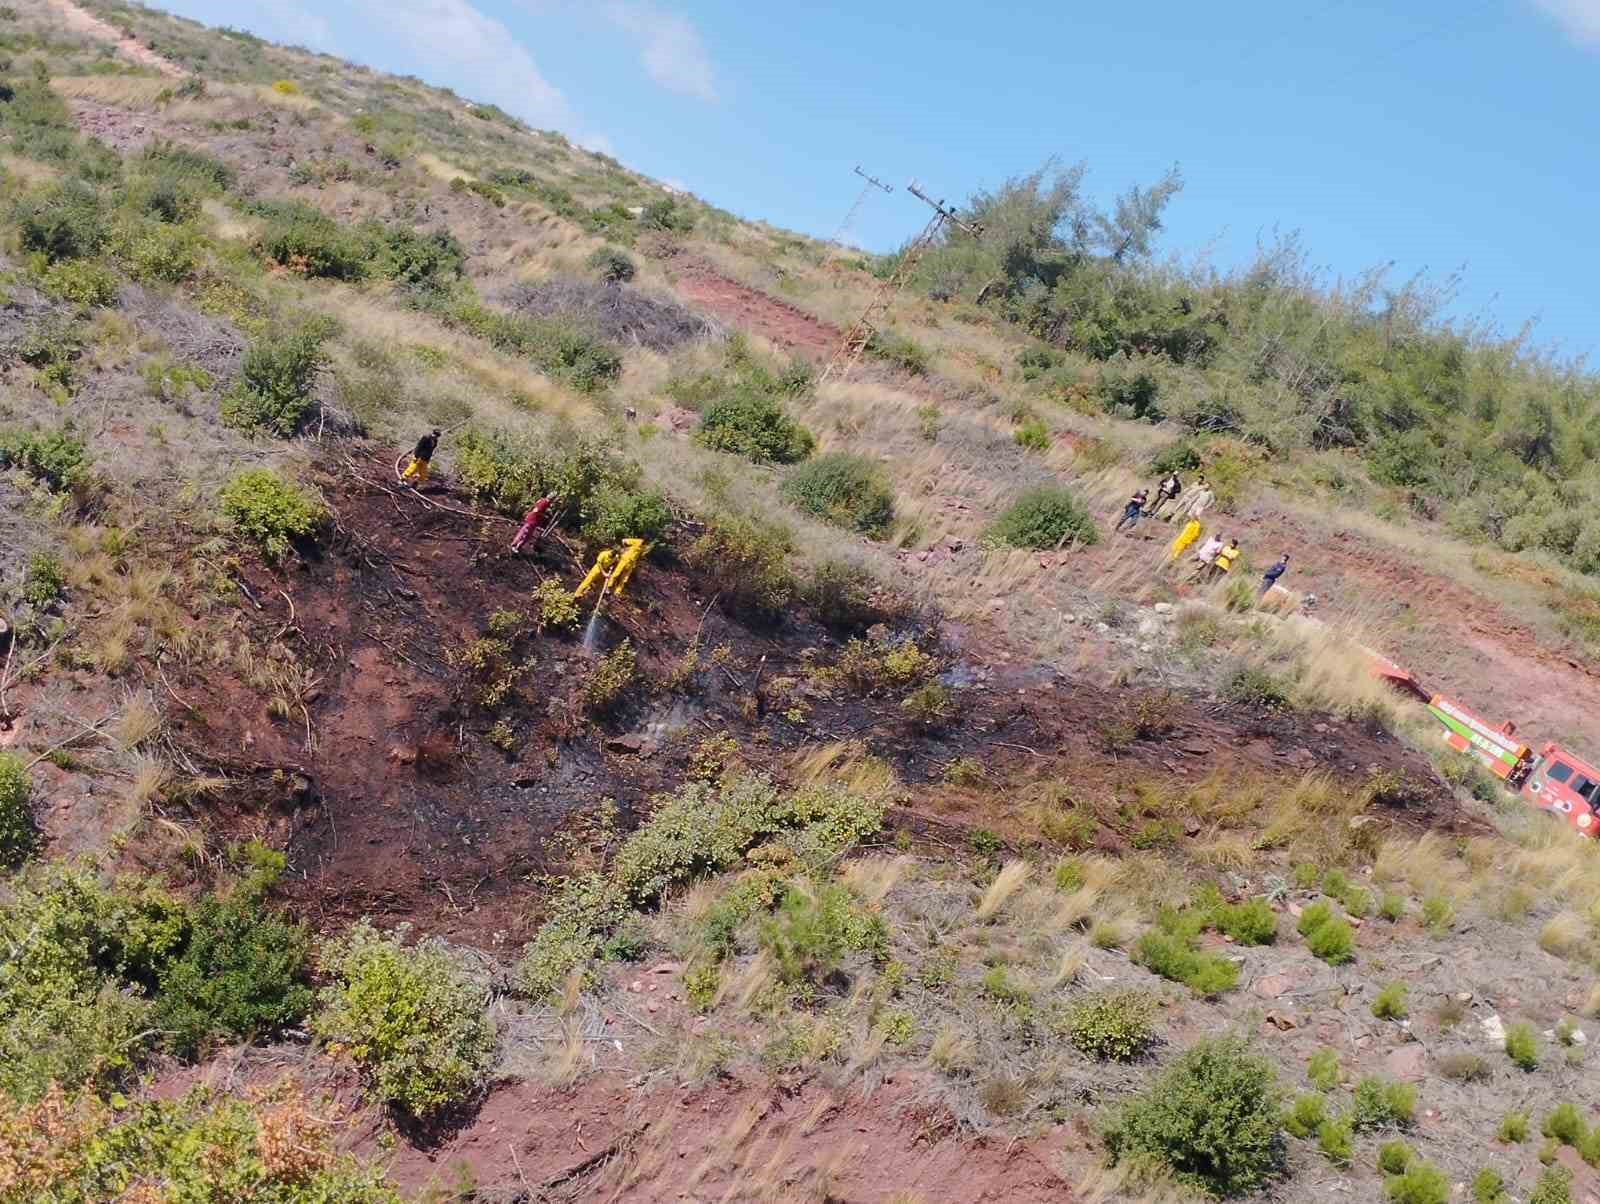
[[1187, 536], [1226, 557]]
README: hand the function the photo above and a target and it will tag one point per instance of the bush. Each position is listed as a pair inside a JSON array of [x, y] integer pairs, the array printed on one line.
[[315, 246], [17, 834], [1379, 1102], [1392, 906], [846, 490], [1306, 1115], [63, 221], [1328, 936], [611, 265], [1033, 435], [1249, 923], [616, 514], [1422, 1183], [1045, 517], [1554, 1187], [1489, 1187], [843, 594], [557, 609], [274, 387], [1391, 1002], [407, 1017], [609, 680], [156, 252], [1322, 1068], [1213, 1118], [589, 479], [745, 562], [1566, 1124], [1394, 1157], [270, 511], [755, 426], [905, 354], [1514, 1128], [1336, 1141], [1522, 1047], [1256, 688], [1172, 954], [1113, 1026], [171, 161], [241, 976], [57, 459], [81, 281], [44, 581], [814, 927]]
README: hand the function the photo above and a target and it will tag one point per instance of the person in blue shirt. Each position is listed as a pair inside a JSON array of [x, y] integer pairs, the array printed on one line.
[[1270, 577]]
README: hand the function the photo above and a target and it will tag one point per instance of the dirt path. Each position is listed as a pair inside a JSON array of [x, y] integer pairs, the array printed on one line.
[[80, 21], [749, 309]]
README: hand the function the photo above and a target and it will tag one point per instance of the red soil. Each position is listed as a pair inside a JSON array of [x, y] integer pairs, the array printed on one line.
[[749, 309]]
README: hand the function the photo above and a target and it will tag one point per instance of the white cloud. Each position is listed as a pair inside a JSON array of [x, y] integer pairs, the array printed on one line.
[[669, 47], [1580, 18]]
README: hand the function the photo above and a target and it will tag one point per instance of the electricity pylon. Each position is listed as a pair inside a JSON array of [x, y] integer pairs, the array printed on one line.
[[855, 210]]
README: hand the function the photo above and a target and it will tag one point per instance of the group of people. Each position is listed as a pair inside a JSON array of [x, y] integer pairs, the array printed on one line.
[[1215, 557], [1173, 500]]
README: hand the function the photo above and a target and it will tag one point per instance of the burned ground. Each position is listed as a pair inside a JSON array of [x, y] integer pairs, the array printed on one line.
[[379, 778]]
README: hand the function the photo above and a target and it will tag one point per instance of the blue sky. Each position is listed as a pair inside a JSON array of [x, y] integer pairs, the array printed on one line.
[[1438, 134]]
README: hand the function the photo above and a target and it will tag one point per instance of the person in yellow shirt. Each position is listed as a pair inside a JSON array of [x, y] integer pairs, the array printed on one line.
[[1223, 564], [602, 569]]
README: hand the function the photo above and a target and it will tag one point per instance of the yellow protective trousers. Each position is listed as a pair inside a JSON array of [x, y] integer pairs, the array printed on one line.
[[416, 472], [602, 568], [1187, 536], [632, 550]]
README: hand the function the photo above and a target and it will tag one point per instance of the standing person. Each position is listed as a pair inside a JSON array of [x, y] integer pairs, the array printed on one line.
[[1132, 511], [1270, 577], [416, 473], [1187, 499], [530, 523], [1222, 562], [1168, 491], [1190, 533], [1206, 555]]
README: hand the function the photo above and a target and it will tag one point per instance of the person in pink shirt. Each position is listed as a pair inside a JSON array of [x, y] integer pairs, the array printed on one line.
[[530, 523]]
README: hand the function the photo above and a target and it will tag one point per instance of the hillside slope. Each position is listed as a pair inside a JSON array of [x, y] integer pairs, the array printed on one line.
[[881, 839]]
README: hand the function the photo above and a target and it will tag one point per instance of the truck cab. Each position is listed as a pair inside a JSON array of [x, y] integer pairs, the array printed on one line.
[[1566, 785]]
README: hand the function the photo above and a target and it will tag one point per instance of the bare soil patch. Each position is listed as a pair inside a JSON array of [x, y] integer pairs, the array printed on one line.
[[86, 23]]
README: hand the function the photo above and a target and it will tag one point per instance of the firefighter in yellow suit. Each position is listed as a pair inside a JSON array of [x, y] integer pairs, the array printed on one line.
[[1187, 536], [632, 551], [602, 569]]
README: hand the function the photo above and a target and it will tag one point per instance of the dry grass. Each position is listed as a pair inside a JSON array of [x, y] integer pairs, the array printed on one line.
[[124, 91], [1006, 883], [149, 777], [847, 763], [1565, 935], [139, 722]]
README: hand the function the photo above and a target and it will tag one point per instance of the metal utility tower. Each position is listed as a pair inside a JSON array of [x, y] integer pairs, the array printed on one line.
[[855, 210], [860, 334]]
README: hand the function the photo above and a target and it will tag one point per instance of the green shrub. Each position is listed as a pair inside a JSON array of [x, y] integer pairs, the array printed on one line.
[[1566, 1124], [667, 215], [1392, 907], [1514, 1128], [1306, 1115], [589, 478], [1394, 1157], [1323, 1070], [1046, 517], [62, 221], [1252, 922], [1336, 1141], [605, 684], [745, 562], [1554, 1187], [318, 247], [407, 1017], [1173, 955], [1212, 1118], [1379, 1102], [754, 425], [273, 392], [1391, 1002], [270, 511], [1113, 1026], [173, 161], [814, 927], [152, 251], [1438, 913], [611, 265], [905, 354], [1328, 936], [846, 490], [57, 458], [561, 350], [431, 261], [80, 281], [617, 514], [1489, 1187], [1522, 1047], [700, 987], [241, 976], [17, 833], [843, 594], [1256, 688], [557, 610], [1422, 1183], [44, 580], [1033, 435]]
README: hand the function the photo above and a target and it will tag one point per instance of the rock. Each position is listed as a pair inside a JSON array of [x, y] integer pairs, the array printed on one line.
[[1408, 1063], [1149, 627], [1102, 628], [631, 743], [1270, 986], [1463, 996], [1579, 1037], [1493, 1030], [1163, 608], [1282, 1021], [403, 754]]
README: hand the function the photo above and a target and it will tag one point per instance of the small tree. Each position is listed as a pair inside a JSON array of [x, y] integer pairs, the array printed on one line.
[[1044, 518], [272, 512]]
